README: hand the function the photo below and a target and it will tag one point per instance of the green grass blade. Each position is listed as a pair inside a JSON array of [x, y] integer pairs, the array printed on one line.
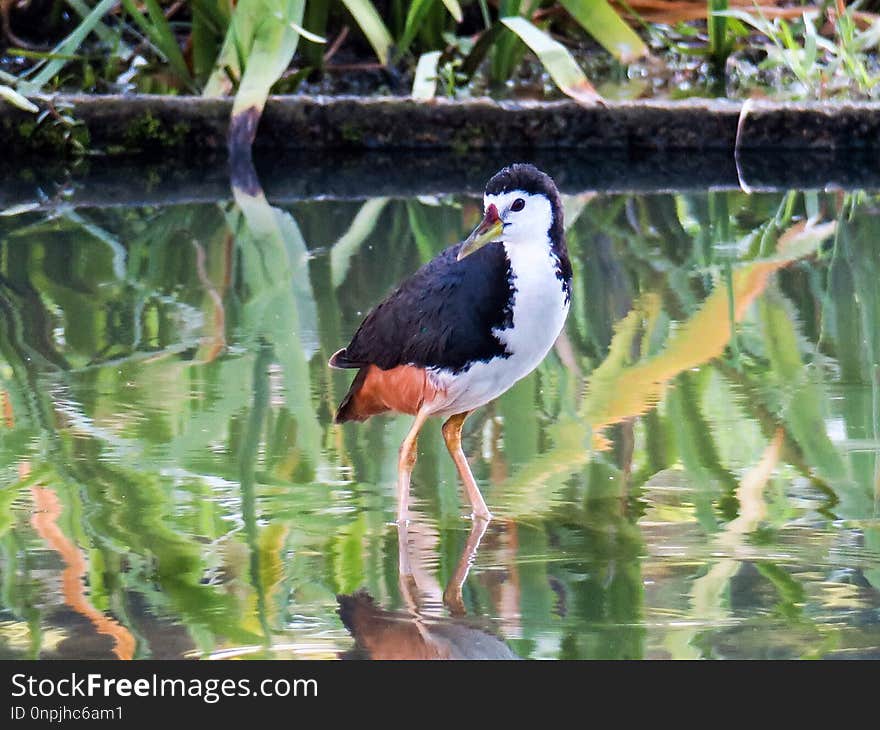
[[241, 32], [601, 21], [425, 81], [274, 44], [560, 64], [233, 53], [484, 44], [105, 33], [206, 44], [67, 47], [508, 49], [44, 55], [216, 14], [454, 9], [308, 35], [155, 26], [315, 19], [372, 26], [418, 11], [719, 44], [259, 45], [16, 99]]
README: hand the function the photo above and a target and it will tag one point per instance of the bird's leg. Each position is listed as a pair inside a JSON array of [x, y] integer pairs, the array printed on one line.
[[452, 435], [405, 463], [406, 580], [452, 595]]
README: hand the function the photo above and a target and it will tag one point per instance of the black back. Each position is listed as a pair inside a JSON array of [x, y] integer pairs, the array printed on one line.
[[441, 316]]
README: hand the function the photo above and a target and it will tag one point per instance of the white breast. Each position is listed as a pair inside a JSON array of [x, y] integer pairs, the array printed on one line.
[[539, 306], [539, 311]]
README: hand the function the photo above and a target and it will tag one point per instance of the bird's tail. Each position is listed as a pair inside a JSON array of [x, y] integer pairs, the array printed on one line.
[[403, 389], [355, 608], [339, 360], [352, 407]]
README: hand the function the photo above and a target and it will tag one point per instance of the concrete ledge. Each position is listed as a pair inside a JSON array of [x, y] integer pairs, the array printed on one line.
[[194, 125], [173, 149]]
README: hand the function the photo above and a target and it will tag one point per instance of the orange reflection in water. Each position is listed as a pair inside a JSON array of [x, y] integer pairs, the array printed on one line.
[[45, 522], [618, 392]]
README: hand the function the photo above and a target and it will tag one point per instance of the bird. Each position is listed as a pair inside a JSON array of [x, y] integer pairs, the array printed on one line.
[[382, 634], [414, 633], [467, 325]]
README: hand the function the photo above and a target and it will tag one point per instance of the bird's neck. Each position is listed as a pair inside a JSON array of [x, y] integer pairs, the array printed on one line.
[[529, 260]]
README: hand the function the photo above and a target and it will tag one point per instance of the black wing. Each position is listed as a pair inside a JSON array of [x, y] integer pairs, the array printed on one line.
[[441, 316]]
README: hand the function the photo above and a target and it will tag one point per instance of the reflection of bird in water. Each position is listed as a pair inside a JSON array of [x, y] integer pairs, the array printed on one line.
[[381, 634], [469, 324]]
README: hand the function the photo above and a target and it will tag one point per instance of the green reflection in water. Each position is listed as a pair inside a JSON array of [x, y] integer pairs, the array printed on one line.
[[693, 472]]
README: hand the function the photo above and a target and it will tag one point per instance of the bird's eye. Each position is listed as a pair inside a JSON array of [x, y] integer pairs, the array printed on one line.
[[518, 205]]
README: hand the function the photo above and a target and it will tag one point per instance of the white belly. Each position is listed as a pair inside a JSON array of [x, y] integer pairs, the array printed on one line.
[[539, 312]]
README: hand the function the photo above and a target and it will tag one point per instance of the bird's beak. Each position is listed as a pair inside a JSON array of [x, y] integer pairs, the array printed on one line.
[[488, 230]]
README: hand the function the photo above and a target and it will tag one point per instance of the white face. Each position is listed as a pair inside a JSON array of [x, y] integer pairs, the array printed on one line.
[[527, 218]]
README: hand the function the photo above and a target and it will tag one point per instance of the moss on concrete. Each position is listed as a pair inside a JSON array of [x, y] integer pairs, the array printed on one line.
[[148, 131], [351, 134], [47, 136]]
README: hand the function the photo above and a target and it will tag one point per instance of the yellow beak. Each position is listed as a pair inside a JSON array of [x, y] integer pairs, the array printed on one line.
[[488, 230]]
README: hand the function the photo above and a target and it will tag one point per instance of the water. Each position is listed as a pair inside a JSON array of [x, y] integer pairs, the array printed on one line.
[[693, 472]]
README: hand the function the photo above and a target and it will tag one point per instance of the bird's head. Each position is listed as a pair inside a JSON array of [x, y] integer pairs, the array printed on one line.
[[521, 205]]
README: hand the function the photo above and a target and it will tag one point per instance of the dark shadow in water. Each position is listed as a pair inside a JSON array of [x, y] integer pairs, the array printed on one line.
[[410, 634], [362, 175]]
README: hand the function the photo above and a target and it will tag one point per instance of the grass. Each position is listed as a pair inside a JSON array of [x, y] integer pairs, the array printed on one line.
[[203, 46], [425, 48], [811, 63]]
